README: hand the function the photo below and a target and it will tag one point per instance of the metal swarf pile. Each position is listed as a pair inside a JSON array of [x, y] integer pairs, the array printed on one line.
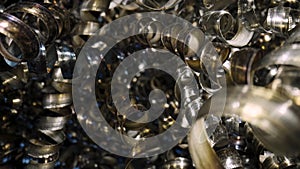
[[243, 55]]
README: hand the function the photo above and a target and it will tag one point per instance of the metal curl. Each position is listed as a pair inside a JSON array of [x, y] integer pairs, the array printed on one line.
[[204, 157], [53, 120], [288, 54], [42, 16], [282, 19], [39, 24], [272, 114], [58, 100], [157, 5], [62, 17], [263, 109], [191, 45], [18, 34], [82, 31], [241, 64], [221, 25], [44, 147], [91, 10], [278, 19], [286, 82]]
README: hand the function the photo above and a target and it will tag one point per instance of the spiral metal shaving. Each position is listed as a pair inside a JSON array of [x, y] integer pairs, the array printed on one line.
[[257, 42]]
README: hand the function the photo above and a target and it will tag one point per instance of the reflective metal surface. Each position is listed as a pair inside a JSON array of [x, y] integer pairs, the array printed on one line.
[[249, 121]]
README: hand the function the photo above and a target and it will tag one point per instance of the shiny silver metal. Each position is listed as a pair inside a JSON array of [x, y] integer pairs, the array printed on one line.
[[178, 163], [221, 24], [60, 100], [281, 20], [53, 120], [214, 5], [43, 16], [42, 148], [95, 5], [59, 82], [20, 34], [203, 155], [241, 64], [230, 158], [82, 31], [270, 163], [62, 18], [48, 163], [287, 162], [286, 82], [287, 54], [220, 137], [263, 109], [158, 5], [91, 10]]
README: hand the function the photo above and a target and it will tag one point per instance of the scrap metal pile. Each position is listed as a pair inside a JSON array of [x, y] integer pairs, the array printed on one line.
[[244, 56]]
